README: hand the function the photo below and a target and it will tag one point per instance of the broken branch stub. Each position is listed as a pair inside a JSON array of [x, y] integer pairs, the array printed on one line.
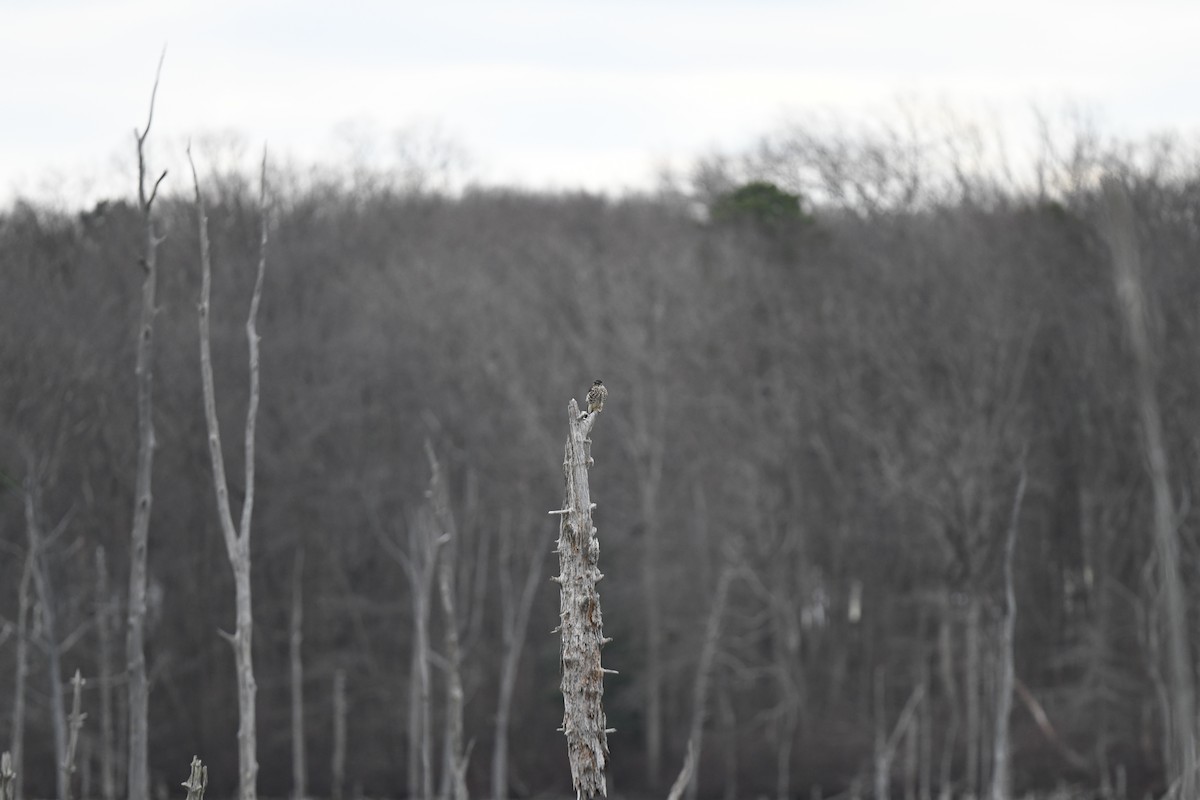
[[581, 624]]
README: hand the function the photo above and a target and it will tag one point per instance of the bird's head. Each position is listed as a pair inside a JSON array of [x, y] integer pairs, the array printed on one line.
[[597, 382]]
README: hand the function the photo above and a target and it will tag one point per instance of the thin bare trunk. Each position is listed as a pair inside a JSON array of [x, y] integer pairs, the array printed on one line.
[[75, 722], [950, 688], [295, 640], [653, 619], [104, 632], [971, 689], [729, 730], [1004, 691], [421, 567], [337, 769], [515, 622], [1122, 241], [237, 540], [47, 607], [925, 744], [21, 676], [708, 653], [446, 535], [135, 648]]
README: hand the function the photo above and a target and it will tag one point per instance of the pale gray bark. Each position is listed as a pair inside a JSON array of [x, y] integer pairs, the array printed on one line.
[[47, 608], [580, 620], [421, 570], [295, 641], [338, 763], [7, 776], [197, 780], [17, 740], [708, 653], [445, 533], [972, 688], [75, 723], [886, 744], [135, 648], [514, 620], [1004, 689], [105, 611], [1121, 234], [237, 540]]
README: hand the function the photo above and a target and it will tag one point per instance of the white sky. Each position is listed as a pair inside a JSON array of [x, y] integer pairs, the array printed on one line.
[[558, 94]]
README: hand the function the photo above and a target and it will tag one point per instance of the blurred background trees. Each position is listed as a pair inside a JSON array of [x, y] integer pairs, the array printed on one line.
[[830, 364]]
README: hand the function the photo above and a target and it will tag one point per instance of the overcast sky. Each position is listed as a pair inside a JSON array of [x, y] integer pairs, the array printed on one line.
[[551, 94]]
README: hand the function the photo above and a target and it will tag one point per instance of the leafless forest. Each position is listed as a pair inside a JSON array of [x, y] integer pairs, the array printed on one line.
[[893, 483]]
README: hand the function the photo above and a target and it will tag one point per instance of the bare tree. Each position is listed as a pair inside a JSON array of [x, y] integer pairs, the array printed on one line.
[[444, 530], [135, 648], [1181, 710], [580, 621], [708, 653], [105, 611], [75, 725], [39, 540], [17, 736], [1004, 691], [514, 614], [237, 540], [337, 770], [295, 640]]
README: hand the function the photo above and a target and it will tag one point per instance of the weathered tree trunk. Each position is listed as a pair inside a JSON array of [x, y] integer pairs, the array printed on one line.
[[1122, 241], [75, 722], [972, 683], [138, 776], [885, 744], [197, 780], [580, 620], [7, 776], [21, 676], [47, 607], [237, 540], [104, 630], [337, 769], [445, 534], [420, 566], [295, 640], [708, 652], [950, 688], [514, 614], [1004, 689]]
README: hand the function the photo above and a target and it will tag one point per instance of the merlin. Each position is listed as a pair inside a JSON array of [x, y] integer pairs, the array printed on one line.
[[596, 396]]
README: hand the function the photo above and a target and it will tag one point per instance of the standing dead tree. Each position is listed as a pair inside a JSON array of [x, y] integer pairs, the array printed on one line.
[[135, 650], [48, 602], [237, 540], [1004, 692], [7, 776], [1120, 231], [446, 533], [580, 621], [105, 614], [515, 609], [17, 735], [295, 643], [75, 724]]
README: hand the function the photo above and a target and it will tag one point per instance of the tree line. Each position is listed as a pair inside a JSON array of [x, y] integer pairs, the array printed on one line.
[[871, 482]]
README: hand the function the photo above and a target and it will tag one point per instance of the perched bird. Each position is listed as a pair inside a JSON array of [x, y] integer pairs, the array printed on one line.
[[596, 396]]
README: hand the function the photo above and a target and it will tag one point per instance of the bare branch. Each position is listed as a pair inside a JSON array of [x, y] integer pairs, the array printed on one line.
[[252, 343], [141, 137], [216, 455]]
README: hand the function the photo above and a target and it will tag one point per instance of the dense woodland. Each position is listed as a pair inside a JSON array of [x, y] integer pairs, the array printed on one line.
[[841, 373]]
